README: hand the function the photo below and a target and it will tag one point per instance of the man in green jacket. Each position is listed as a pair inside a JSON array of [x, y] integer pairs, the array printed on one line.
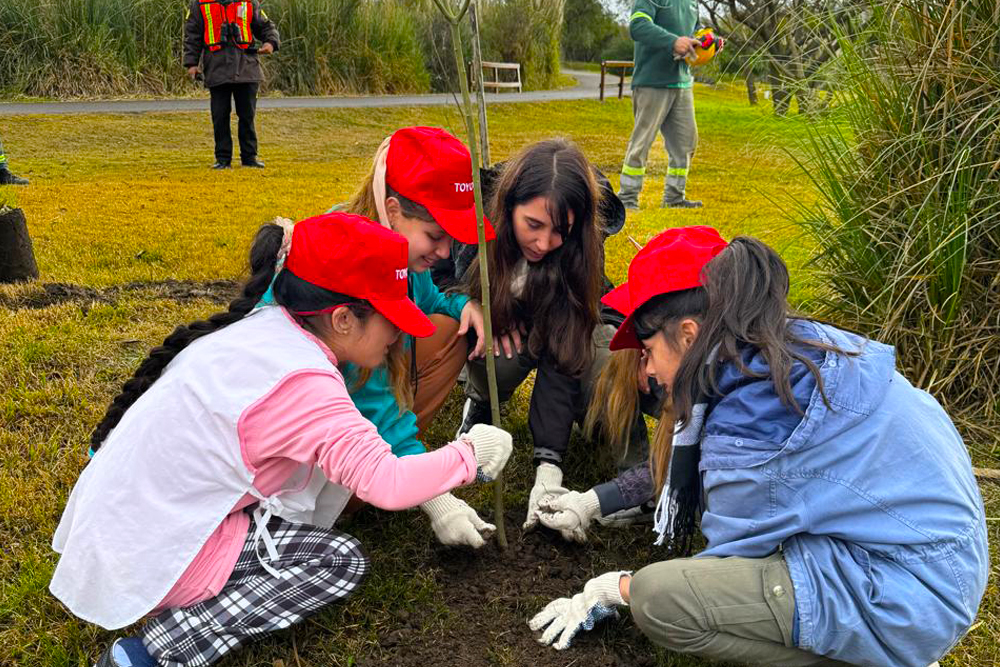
[[221, 35], [662, 98]]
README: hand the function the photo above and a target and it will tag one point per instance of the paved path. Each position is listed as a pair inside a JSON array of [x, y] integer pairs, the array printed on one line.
[[586, 88]]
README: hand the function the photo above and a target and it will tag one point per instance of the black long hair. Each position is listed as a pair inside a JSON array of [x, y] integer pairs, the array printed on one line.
[[289, 290], [744, 302]]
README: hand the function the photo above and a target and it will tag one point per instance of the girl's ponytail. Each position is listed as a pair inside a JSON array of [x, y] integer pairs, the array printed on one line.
[[263, 258]]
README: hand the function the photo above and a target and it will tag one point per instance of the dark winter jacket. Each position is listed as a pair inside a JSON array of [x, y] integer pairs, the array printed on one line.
[[557, 400], [229, 64]]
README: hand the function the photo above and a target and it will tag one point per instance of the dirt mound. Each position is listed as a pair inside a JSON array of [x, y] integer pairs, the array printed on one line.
[[490, 595], [51, 294]]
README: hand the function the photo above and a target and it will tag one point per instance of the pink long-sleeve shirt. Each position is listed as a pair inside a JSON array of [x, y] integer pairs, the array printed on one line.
[[309, 418]]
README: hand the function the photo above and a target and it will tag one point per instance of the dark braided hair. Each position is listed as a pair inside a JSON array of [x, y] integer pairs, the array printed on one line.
[[289, 290]]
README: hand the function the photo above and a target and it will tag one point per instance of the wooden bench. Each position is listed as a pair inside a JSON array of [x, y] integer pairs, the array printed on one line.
[[496, 85], [622, 66]]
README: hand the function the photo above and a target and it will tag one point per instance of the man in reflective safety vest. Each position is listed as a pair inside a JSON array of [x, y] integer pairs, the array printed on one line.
[[220, 34]]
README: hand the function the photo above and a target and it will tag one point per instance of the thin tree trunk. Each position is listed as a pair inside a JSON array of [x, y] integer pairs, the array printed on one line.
[[484, 272], [751, 88], [477, 67]]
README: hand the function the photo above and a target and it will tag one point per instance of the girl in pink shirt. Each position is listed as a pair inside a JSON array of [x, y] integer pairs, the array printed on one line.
[[220, 430]]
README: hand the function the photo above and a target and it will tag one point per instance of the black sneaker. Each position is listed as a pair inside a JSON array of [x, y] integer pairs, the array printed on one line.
[[474, 412], [219, 164], [684, 203], [253, 162], [126, 652], [7, 178]]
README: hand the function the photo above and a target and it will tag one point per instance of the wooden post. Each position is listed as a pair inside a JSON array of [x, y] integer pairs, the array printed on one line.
[[621, 83], [17, 258], [604, 65]]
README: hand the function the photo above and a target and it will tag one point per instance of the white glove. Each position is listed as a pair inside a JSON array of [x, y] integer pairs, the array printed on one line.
[[455, 523], [548, 484], [492, 447], [570, 514], [566, 617]]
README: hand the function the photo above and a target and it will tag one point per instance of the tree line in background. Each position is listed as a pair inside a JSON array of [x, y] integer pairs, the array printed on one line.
[[94, 48]]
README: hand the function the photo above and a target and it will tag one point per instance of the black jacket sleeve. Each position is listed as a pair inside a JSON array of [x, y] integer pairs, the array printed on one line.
[[263, 27], [194, 35]]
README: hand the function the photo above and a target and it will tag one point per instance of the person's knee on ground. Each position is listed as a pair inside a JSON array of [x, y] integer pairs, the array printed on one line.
[[659, 601]]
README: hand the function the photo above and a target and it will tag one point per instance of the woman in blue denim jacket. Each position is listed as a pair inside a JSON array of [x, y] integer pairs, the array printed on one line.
[[843, 521]]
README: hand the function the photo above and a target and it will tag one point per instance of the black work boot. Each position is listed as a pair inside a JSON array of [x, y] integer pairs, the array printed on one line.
[[474, 413], [7, 178], [253, 162], [220, 164], [684, 203]]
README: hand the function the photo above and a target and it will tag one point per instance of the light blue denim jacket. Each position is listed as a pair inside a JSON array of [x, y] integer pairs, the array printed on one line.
[[872, 499]]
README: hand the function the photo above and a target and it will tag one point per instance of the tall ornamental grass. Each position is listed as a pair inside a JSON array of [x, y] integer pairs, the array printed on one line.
[[908, 228], [100, 48]]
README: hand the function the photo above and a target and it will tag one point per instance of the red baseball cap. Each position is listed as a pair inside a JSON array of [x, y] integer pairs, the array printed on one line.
[[350, 255], [671, 261], [434, 169]]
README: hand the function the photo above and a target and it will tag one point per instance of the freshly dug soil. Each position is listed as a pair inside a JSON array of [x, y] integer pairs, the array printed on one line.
[[491, 594]]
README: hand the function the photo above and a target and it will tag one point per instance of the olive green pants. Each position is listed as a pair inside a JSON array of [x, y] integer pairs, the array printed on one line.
[[734, 610]]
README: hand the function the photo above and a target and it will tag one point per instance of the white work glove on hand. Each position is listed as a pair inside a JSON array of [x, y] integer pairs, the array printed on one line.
[[548, 484], [566, 617], [570, 514], [455, 523], [492, 447]]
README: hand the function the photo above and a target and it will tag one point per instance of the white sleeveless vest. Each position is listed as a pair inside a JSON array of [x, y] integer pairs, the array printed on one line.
[[173, 468]]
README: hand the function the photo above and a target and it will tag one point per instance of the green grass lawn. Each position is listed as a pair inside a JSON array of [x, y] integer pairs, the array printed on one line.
[[117, 200]]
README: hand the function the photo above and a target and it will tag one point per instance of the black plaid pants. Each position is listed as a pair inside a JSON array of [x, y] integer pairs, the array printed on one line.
[[316, 567]]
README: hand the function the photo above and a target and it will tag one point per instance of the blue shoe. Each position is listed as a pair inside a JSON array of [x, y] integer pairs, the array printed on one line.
[[126, 652]]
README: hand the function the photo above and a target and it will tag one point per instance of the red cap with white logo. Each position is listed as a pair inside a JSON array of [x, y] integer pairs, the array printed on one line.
[[431, 167], [350, 255], [670, 262]]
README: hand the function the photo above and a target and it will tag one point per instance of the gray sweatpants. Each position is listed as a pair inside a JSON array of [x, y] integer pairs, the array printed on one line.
[[738, 610], [669, 111]]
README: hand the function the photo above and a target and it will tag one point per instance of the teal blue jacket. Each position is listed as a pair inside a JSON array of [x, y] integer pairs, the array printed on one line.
[[374, 400]]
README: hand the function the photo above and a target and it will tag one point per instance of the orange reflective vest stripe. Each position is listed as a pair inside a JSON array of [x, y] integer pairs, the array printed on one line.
[[230, 21]]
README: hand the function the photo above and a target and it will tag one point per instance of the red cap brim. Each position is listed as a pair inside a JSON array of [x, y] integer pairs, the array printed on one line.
[[461, 224], [405, 315], [618, 299], [625, 338]]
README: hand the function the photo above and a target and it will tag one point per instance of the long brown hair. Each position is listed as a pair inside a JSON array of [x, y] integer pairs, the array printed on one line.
[[560, 298], [744, 302], [614, 401], [398, 360]]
